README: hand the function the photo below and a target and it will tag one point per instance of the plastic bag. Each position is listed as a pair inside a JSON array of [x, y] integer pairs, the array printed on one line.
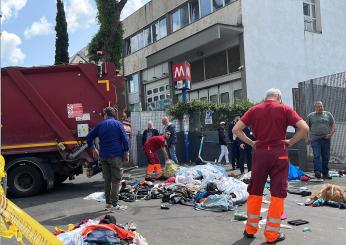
[[170, 169], [294, 172]]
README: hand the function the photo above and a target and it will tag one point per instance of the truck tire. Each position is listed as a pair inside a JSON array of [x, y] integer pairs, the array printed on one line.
[[24, 180]]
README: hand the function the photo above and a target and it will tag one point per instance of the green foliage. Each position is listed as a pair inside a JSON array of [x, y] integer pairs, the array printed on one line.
[[109, 37], [221, 112], [61, 41]]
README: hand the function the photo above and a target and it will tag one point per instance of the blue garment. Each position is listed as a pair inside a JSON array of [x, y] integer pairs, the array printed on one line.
[[113, 139], [321, 152], [294, 173], [172, 153]]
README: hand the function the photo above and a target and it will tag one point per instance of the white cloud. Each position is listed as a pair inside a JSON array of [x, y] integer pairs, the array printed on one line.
[[11, 7], [39, 28], [80, 14], [10, 51], [131, 6]]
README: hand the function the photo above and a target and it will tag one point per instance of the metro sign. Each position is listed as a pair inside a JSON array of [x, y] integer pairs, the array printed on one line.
[[182, 75]]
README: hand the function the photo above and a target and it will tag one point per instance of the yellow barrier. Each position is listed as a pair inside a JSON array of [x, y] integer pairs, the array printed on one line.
[[19, 223]]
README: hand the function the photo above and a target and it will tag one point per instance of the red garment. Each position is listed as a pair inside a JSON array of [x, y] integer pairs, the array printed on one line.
[[152, 157], [122, 233], [154, 143], [269, 121]]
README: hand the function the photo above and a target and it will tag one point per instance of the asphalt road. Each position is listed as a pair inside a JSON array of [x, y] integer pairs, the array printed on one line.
[[182, 224]]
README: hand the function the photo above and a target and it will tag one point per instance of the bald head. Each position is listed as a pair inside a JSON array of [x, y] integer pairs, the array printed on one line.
[[165, 120], [150, 124]]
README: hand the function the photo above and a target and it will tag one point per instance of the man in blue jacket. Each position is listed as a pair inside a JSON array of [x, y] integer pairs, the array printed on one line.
[[114, 150]]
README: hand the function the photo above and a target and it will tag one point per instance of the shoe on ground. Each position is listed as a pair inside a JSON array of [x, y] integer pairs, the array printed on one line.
[[247, 235], [279, 239], [327, 176], [108, 206], [116, 208], [318, 175]]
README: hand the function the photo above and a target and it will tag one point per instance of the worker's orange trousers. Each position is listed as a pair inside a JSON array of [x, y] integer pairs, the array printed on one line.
[[153, 170], [272, 162]]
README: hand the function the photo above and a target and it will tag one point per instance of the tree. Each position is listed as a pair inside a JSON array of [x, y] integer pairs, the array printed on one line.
[[61, 40], [109, 37]]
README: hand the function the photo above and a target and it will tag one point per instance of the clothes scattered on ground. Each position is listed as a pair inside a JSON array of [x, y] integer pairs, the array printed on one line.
[[329, 195], [98, 196], [170, 169], [102, 230], [294, 173]]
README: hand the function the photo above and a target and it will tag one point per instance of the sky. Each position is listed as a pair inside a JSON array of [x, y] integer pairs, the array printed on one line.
[[28, 34]]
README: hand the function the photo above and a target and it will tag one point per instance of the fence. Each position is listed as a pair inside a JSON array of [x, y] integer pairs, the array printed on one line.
[[331, 90]]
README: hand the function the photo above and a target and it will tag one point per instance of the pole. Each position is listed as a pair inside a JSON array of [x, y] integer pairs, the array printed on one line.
[[186, 129]]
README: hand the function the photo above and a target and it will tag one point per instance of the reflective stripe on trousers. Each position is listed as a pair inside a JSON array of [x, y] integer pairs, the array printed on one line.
[[275, 211], [253, 213]]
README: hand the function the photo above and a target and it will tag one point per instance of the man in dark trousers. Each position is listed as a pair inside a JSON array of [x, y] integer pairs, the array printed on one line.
[[245, 151], [269, 121], [234, 143], [172, 141], [149, 132], [322, 127], [114, 151]]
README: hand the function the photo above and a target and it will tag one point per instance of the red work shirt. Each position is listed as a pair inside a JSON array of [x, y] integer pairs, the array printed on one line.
[[269, 121], [154, 143]]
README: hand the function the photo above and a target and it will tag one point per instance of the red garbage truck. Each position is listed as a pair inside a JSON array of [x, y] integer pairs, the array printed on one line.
[[46, 114]]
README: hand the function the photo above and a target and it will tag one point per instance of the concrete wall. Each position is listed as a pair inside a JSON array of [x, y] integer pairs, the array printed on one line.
[[135, 62], [279, 53]]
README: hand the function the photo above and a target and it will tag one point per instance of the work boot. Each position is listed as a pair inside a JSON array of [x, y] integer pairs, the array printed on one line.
[[247, 235], [279, 239], [317, 175], [327, 176]]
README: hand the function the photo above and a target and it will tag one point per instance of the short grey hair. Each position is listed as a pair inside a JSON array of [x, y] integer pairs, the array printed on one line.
[[273, 92]]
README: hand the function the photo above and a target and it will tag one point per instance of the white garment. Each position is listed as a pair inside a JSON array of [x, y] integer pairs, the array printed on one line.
[[224, 152]]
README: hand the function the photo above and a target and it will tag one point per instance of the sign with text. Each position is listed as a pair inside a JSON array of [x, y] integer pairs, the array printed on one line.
[[182, 75]]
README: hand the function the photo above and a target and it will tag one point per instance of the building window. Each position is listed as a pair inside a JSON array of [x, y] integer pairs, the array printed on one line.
[[133, 82], [310, 19], [205, 7], [237, 95], [159, 29], [233, 59], [162, 97], [167, 87], [149, 92], [180, 18], [194, 10], [224, 97], [216, 65], [156, 98], [134, 43], [162, 88], [213, 98], [217, 4], [197, 71], [150, 100], [167, 96], [155, 90]]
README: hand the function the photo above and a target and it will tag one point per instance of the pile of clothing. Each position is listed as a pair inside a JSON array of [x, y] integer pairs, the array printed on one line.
[[329, 195], [103, 230], [204, 187]]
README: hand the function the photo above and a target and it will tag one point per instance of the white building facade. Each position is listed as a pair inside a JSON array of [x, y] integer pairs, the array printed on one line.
[[237, 48]]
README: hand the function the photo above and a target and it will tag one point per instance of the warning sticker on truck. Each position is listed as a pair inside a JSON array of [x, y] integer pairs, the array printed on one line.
[[74, 110], [84, 117]]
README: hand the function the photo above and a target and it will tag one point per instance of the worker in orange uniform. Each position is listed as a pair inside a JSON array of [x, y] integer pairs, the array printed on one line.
[[151, 146], [269, 121]]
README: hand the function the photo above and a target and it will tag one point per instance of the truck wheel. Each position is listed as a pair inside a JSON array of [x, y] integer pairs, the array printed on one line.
[[59, 179], [24, 180]]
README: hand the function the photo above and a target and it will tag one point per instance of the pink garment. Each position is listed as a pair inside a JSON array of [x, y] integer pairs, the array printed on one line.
[[170, 180]]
